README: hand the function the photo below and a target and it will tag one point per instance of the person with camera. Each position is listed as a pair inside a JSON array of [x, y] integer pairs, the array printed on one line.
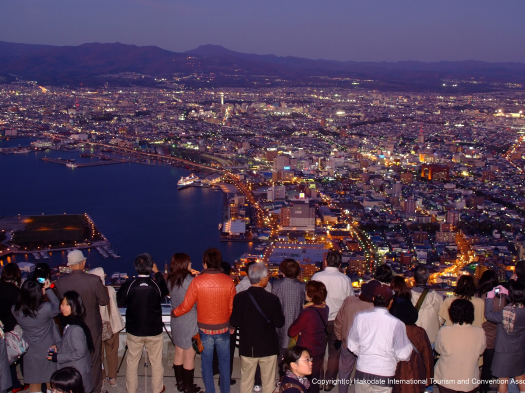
[[142, 297], [35, 317]]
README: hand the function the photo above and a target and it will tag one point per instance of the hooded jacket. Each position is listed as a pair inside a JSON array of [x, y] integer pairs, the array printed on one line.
[[115, 319]]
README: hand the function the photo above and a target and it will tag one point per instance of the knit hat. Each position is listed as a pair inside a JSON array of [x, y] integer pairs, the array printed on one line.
[[75, 257]]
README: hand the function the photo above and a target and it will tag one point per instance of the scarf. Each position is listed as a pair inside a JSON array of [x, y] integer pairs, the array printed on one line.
[[509, 317], [71, 320], [302, 380]]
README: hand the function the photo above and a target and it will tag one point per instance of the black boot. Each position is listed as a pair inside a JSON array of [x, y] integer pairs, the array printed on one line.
[[179, 377], [189, 387]]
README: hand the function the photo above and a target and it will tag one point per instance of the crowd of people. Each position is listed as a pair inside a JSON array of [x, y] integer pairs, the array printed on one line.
[[318, 335]]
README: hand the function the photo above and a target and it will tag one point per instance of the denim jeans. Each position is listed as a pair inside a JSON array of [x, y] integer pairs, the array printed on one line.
[[221, 342]]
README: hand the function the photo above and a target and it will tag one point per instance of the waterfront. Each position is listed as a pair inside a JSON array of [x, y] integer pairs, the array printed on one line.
[[137, 207]]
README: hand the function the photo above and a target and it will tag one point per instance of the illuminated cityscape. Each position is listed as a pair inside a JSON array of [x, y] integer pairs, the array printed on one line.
[[385, 177]]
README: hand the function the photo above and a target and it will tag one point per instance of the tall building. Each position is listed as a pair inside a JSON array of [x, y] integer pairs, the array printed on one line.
[[453, 217], [281, 162], [421, 138], [298, 216], [410, 206], [222, 98], [397, 189], [279, 192]]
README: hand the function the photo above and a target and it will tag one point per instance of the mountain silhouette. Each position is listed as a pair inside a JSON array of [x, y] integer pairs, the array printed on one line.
[[87, 62]]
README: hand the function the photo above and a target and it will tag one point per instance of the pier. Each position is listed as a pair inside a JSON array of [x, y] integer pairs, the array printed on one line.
[[97, 163]]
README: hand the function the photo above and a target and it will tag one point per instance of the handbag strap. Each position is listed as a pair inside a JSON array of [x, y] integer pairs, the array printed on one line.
[[322, 320], [422, 298], [109, 304], [259, 308]]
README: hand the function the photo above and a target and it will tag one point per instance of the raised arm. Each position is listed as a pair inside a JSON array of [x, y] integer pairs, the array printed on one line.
[[54, 304], [188, 302], [490, 314]]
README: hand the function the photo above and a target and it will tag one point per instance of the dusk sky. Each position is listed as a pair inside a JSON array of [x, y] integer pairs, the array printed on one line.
[[361, 30]]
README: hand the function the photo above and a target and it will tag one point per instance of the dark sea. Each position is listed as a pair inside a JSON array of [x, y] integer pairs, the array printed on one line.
[[137, 207]]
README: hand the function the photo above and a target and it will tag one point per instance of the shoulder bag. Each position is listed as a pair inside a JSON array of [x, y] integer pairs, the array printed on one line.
[[107, 331]]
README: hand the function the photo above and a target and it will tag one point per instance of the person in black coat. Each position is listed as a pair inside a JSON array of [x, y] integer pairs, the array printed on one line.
[[257, 313], [142, 297]]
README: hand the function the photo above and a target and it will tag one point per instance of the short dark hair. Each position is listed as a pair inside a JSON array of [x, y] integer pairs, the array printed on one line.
[[11, 273], [29, 299], [42, 270], [316, 291], [292, 355], [333, 259], [226, 267], [466, 287], [517, 292], [290, 268], [380, 301], [421, 274], [144, 264], [488, 280], [67, 380], [400, 287], [461, 311], [520, 268], [75, 302], [212, 258], [384, 274]]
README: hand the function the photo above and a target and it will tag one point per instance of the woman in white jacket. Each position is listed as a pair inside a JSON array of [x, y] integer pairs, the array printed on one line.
[[110, 314]]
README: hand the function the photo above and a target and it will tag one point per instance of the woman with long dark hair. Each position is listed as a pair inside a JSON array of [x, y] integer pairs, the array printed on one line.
[[402, 293], [76, 345], [465, 289], [10, 282], [509, 356], [487, 282], [310, 327], [35, 317], [296, 366], [184, 327], [67, 380]]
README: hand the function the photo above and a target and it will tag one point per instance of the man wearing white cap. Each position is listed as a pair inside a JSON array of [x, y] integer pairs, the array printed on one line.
[[93, 294]]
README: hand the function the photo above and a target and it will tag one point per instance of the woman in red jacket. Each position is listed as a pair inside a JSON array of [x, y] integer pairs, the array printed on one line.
[[310, 327]]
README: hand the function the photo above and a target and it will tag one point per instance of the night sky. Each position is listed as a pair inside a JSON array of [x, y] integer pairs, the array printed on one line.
[[361, 30]]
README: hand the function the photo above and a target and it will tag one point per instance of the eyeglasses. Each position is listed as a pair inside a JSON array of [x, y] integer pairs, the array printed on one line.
[[310, 360]]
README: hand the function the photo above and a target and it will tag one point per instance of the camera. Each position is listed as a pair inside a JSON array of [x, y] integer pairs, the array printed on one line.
[[496, 291]]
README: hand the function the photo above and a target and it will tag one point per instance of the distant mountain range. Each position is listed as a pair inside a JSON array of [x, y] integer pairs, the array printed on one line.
[[85, 63]]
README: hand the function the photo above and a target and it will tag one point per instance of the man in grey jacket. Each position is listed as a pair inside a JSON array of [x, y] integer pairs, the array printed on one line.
[[93, 294]]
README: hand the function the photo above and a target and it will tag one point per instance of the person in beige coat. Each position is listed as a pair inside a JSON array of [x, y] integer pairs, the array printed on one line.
[[460, 346], [428, 310], [465, 289], [112, 315]]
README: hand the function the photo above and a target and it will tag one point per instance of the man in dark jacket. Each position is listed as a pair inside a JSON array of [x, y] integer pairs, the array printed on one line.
[[142, 297], [258, 343], [93, 294]]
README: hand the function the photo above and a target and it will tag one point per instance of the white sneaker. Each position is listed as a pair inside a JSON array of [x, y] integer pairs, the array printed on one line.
[[257, 388]]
